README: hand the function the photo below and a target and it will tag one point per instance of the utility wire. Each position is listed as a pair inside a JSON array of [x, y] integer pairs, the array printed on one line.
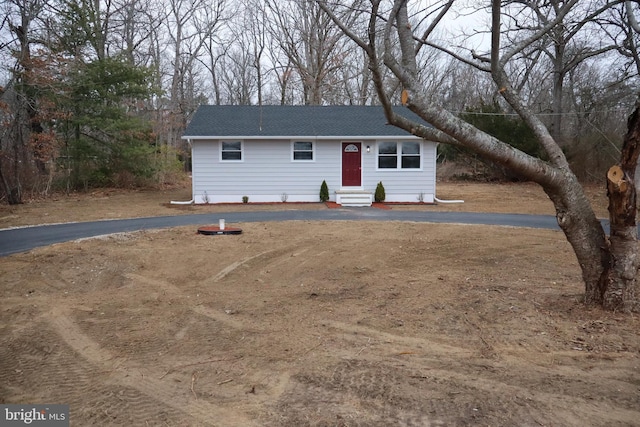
[[480, 113]]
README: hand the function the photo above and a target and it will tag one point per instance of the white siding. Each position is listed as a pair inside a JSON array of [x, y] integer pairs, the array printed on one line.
[[267, 171], [403, 185]]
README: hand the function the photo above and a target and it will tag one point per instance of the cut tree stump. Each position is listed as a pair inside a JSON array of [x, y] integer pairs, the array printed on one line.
[[615, 175]]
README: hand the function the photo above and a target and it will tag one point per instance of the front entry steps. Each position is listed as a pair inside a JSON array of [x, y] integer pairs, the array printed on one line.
[[358, 198]]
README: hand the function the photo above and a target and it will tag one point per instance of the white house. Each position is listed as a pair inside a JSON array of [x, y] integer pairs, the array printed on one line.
[[283, 153]]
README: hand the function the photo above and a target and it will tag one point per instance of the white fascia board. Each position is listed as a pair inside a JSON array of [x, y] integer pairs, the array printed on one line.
[[317, 138]]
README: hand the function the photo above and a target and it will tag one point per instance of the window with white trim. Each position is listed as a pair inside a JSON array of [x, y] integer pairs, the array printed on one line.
[[231, 151], [410, 155], [303, 150], [399, 155]]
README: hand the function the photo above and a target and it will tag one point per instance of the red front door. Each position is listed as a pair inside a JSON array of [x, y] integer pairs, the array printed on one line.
[[351, 164]]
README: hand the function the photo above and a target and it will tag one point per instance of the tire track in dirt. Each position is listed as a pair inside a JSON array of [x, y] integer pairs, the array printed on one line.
[[121, 372], [234, 265], [38, 371], [202, 310], [427, 360], [272, 258], [156, 283], [273, 385], [424, 348], [373, 394], [416, 344]]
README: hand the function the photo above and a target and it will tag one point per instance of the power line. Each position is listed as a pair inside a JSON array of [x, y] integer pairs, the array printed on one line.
[[480, 113]]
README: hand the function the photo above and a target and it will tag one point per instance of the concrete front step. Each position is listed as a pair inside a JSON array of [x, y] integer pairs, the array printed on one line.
[[356, 198]]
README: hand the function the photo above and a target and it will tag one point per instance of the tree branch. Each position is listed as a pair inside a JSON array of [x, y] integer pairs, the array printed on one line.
[[433, 25], [633, 22], [556, 156]]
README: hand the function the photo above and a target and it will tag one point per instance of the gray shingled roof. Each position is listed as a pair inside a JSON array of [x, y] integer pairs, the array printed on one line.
[[289, 120]]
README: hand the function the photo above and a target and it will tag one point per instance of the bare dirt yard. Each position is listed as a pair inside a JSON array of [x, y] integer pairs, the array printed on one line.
[[350, 323]]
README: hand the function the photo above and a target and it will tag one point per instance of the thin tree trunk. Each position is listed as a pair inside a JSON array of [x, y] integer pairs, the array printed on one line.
[[558, 87], [12, 193]]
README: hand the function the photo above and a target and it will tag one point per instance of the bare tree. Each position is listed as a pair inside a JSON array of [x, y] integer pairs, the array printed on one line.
[[312, 43], [255, 28], [190, 24], [609, 264], [134, 23], [19, 113], [567, 44], [282, 71], [216, 51], [237, 75]]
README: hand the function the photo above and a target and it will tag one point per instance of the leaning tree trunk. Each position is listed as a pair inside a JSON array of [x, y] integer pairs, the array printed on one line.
[[584, 232], [620, 287]]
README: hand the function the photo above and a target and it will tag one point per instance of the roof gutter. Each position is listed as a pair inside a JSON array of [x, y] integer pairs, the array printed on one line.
[[314, 137]]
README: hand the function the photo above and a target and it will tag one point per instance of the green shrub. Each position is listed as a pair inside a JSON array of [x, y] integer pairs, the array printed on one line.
[[324, 192], [245, 199], [380, 194]]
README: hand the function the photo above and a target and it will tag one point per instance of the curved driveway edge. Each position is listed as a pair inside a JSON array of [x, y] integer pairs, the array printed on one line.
[[15, 240]]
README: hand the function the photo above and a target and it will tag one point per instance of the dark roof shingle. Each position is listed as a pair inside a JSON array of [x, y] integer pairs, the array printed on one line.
[[290, 120]]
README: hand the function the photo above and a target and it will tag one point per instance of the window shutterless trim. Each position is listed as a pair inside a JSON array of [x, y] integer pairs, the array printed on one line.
[[396, 155], [234, 152], [406, 157], [303, 154], [387, 154]]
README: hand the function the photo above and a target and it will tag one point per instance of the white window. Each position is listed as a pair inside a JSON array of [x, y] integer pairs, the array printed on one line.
[[231, 151], [399, 155], [303, 151], [387, 155], [410, 155]]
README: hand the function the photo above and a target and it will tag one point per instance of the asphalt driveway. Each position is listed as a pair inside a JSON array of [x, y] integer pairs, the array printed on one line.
[[15, 240]]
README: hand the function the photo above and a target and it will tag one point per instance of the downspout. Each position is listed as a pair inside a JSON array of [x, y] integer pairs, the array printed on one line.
[[440, 200], [447, 201]]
